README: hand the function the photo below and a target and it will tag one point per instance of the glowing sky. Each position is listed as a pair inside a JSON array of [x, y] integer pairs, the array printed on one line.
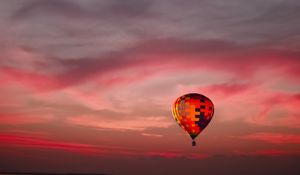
[[92, 82]]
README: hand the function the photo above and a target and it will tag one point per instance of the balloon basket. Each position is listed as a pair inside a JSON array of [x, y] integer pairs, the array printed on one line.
[[194, 143]]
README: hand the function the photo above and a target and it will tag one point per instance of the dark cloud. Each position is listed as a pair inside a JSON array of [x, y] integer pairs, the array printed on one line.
[[131, 8], [37, 8], [276, 23], [95, 10], [99, 27], [281, 12]]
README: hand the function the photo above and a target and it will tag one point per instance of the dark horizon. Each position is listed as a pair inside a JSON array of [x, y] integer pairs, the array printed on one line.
[[226, 165], [45, 173]]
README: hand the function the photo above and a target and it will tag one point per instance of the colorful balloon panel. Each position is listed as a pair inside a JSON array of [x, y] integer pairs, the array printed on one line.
[[193, 112]]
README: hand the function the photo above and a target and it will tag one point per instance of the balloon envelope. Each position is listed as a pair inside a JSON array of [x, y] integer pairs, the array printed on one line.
[[193, 113]]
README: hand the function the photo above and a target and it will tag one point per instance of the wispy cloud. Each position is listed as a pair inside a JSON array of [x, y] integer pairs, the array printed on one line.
[[122, 123], [276, 138], [27, 141]]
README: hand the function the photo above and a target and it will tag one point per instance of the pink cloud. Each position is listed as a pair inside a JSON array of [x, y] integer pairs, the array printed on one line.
[[115, 76], [35, 81], [132, 123], [281, 98], [106, 83], [152, 135], [19, 119], [253, 102], [227, 89], [275, 101], [183, 54]]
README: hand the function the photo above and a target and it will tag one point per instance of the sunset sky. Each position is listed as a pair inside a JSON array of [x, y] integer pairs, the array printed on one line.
[[88, 85]]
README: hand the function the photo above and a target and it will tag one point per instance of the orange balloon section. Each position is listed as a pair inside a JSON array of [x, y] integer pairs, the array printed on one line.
[[193, 113]]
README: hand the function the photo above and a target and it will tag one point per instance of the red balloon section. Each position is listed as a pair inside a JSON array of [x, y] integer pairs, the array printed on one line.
[[193, 113]]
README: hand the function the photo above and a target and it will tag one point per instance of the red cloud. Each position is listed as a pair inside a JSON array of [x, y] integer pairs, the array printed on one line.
[[268, 152], [275, 138], [273, 152], [22, 140], [28, 141]]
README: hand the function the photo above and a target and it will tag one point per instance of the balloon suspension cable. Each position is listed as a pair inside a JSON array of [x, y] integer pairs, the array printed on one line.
[[194, 143]]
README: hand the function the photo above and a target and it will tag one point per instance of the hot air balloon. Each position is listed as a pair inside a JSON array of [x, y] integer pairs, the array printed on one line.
[[193, 113]]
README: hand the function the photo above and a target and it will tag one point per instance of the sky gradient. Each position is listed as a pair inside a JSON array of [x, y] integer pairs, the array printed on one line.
[[88, 86]]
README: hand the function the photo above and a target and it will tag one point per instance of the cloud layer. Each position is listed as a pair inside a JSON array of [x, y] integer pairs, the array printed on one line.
[[100, 77]]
